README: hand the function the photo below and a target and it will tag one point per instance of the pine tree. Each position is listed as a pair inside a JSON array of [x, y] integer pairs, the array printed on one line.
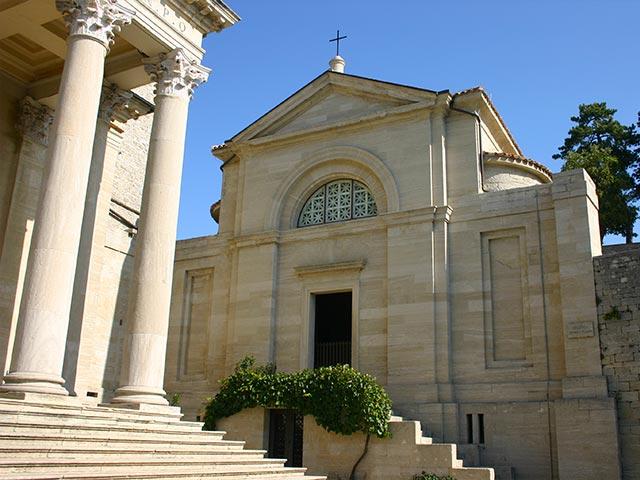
[[610, 152]]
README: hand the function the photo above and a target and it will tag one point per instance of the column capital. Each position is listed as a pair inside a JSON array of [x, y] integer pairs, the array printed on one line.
[[175, 74], [114, 104], [35, 120], [97, 19]]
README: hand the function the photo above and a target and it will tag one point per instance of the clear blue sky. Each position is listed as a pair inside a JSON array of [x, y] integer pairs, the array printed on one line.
[[538, 59]]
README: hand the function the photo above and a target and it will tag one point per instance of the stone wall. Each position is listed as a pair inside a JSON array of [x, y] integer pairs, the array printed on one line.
[[617, 275]]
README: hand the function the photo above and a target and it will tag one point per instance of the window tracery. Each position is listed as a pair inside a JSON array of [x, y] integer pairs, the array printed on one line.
[[338, 201]]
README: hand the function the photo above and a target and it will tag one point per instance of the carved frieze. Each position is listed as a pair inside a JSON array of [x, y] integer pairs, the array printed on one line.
[[175, 74], [34, 121], [98, 19]]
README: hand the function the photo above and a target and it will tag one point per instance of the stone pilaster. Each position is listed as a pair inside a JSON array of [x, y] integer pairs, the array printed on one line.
[[33, 126], [147, 320], [43, 321]]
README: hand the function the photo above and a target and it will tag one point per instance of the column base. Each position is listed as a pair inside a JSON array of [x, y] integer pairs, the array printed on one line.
[[134, 395], [32, 382]]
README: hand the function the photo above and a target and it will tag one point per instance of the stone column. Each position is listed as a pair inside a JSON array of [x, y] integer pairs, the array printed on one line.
[[44, 314], [115, 104], [150, 292]]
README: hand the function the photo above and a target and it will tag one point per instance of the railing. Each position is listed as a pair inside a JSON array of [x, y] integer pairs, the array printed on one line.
[[332, 353]]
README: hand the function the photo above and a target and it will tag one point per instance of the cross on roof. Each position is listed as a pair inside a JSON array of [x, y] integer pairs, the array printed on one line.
[[337, 40]]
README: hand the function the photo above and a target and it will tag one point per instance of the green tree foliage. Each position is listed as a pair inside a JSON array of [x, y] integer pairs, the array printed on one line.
[[341, 399], [610, 152], [431, 476]]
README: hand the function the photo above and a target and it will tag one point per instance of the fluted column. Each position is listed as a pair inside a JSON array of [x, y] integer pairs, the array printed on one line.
[[150, 292], [44, 313]]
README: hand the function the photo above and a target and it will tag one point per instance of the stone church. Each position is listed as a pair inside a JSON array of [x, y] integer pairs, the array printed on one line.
[[401, 230], [397, 229]]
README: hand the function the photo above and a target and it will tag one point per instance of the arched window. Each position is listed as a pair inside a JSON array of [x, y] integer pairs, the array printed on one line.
[[338, 201]]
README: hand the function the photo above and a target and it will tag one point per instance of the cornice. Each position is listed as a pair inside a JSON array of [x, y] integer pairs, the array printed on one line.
[[517, 161], [353, 266], [206, 15]]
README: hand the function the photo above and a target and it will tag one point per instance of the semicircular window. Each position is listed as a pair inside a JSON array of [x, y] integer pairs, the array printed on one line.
[[338, 201]]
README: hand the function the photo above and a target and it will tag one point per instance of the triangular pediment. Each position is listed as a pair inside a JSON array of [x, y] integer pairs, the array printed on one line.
[[333, 99], [333, 107]]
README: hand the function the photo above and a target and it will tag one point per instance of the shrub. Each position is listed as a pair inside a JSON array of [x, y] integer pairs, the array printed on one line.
[[431, 476], [342, 399]]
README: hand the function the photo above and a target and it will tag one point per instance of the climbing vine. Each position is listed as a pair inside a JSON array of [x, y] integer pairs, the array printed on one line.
[[342, 399]]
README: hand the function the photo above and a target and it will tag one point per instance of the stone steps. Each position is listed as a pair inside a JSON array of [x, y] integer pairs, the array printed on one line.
[[284, 474], [108, 452], [439, 458], [105, 432], [47, 439], [59, 439]]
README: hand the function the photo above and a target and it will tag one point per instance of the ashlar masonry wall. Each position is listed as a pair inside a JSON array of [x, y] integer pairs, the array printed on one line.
[[617, 276]]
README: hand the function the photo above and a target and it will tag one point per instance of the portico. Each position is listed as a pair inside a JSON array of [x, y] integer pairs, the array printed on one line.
[[77, 62]]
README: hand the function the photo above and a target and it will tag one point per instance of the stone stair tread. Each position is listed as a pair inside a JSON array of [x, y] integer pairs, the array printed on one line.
[[286, 473], [94, 415], [168, 441], [19, 405], [102, 425], [66, 453], [31, 461], [67, 432]]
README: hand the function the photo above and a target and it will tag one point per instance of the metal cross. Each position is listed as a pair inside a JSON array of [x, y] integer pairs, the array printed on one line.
[[337, 40]]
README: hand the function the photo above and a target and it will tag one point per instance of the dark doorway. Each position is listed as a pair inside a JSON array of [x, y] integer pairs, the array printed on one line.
[[332, 336], [285, 436]]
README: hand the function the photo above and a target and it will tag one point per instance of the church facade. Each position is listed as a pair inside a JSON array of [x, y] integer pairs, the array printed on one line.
[[402, 230]]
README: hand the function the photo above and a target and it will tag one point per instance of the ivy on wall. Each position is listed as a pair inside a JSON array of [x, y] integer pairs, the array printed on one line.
[[340, 398]]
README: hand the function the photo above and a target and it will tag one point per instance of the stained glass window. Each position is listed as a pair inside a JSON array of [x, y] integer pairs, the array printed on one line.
[[336, 202]]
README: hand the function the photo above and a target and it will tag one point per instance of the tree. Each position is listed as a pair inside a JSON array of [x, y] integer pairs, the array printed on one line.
[[610, 152]]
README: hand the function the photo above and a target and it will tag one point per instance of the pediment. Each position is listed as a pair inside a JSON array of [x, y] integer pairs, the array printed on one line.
[[330, 100]]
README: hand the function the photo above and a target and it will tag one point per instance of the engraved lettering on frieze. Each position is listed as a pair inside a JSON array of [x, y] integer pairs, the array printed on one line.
[[175, 74], [580, 330], [35, 121], [98, 19], [169, 16]]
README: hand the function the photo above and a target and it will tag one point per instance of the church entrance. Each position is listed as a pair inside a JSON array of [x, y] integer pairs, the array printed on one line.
[[332, 336], [285, 436]]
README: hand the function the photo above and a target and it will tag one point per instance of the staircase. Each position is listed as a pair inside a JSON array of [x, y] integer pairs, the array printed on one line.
[[420, 453], [41, 440]]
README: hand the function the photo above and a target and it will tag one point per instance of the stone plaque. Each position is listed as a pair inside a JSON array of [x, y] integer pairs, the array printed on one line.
[[580, 329]]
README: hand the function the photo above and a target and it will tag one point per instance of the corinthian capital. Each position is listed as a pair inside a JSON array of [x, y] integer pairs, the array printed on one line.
[[114, 104], [35, 120], [98, 19], [175, 74]]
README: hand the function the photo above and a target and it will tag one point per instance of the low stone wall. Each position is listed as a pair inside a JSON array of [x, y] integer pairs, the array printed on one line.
[[400, 457], [617, 275]]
